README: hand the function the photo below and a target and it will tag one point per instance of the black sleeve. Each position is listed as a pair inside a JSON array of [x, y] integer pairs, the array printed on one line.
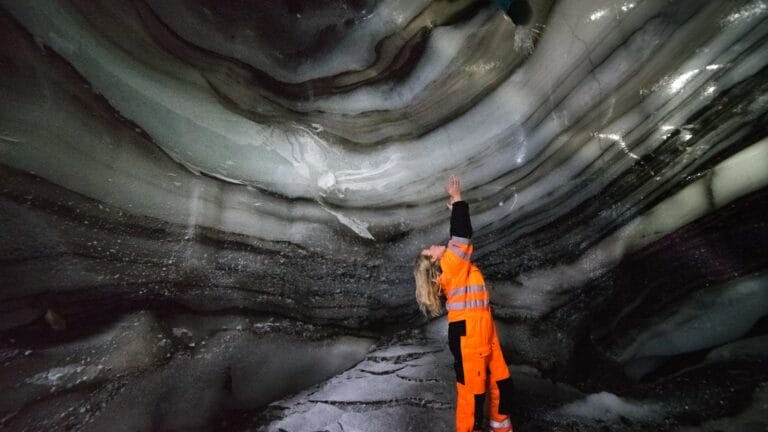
[[460, 223]]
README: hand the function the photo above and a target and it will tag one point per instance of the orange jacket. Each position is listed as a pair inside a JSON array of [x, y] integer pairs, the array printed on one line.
[[462, 282]]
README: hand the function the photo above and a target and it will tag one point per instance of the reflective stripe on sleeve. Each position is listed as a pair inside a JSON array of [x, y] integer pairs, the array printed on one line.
[[460, 240], [458, 252], [465, 290], [467, 305]]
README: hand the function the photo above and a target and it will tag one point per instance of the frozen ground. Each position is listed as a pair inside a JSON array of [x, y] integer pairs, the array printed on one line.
[[148, 372], [406, 384], [189, 372]]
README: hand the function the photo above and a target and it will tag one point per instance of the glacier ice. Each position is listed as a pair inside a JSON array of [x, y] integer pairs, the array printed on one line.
[[209, 210]]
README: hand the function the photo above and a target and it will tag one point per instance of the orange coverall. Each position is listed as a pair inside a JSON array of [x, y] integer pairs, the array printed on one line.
[[478, 361]]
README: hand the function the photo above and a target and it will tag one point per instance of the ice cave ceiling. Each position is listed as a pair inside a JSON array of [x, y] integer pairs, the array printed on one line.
[[197, 167]]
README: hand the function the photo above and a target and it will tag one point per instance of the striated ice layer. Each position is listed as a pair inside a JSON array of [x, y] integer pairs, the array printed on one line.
[[502, 132], [708, 318], [537, 292], [272, 170]]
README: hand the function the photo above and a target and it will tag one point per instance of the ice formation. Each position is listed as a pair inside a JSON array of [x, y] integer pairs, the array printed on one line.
[[210, 209]]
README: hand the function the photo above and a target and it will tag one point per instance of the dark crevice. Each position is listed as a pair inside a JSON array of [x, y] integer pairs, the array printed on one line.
[[520, 12]]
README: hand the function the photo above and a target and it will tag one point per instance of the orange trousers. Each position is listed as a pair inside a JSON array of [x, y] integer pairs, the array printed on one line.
[[481, 374]]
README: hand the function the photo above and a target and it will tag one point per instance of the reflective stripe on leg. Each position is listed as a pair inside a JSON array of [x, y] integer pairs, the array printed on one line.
[[504, 426]]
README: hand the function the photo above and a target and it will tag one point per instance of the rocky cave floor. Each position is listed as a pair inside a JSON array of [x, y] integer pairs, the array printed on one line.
[[406, 384], [146, 372]]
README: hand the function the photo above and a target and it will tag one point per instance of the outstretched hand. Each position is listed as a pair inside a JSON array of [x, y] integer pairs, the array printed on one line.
[[453, 187]]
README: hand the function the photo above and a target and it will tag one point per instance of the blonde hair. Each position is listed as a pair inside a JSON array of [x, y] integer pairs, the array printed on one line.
[[427, 274]]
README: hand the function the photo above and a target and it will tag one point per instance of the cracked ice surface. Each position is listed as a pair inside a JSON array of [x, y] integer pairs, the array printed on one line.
[[404, 384]]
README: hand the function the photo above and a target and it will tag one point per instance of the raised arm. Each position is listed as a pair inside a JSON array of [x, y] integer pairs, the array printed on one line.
[[457, 256], [461, 226]]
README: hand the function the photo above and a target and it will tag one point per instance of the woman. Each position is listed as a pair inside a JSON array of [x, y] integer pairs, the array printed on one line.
[[478, 361]]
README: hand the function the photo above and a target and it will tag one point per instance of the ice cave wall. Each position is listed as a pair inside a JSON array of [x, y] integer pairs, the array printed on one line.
[[287, 159]]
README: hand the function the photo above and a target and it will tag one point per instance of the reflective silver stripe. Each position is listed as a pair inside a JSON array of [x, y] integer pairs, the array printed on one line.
[[458, 252], [467, 305], [505, 423], [460, 240], [466, 290]]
